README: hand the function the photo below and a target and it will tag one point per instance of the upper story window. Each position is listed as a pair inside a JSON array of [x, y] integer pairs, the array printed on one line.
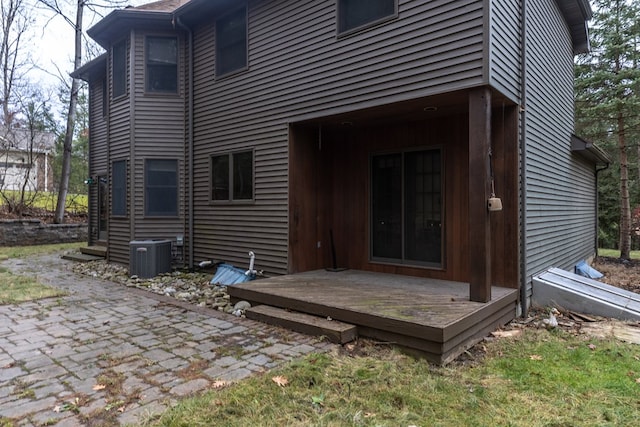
[[162, 64], [232, 177], [353, 14], [231, 42], [119, 69]]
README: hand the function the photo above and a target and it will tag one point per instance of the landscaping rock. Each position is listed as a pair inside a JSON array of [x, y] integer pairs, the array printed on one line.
[[194, 288]]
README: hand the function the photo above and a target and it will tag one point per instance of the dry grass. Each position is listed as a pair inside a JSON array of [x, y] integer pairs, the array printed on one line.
[[15, 289], [625, 275], [539, 378]]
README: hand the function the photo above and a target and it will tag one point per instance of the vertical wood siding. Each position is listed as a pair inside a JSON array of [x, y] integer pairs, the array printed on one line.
[[299, 69], [560, 205], [504, 47]]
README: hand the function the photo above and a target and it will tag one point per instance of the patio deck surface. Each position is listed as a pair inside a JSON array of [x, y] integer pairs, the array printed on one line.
[[433, 316]]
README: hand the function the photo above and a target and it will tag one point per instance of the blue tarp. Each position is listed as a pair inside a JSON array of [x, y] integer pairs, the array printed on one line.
[[585, 270], [230, 275]]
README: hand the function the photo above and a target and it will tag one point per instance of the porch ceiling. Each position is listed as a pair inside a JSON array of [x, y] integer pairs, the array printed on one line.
[[442, 105]]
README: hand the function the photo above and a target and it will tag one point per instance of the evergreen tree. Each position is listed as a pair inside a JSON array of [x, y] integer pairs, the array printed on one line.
[[608, 102]]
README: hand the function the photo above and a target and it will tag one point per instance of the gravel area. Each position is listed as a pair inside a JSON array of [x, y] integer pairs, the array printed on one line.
[[194, 288]]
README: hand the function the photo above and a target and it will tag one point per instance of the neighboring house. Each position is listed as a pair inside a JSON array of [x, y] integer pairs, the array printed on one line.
[[26, 158], [380, 129]]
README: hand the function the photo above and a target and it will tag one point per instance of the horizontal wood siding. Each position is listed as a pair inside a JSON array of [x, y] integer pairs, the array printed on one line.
[[159, 133], [299, 69], [560, 204], [504, 49], [98, 148], [119, 149]]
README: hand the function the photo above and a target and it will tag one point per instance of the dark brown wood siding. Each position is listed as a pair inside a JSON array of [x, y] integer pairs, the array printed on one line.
[[300, 69]]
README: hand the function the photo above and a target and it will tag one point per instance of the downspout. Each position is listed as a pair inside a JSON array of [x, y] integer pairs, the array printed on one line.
[[523, 158], [190, 226], [598, 170]]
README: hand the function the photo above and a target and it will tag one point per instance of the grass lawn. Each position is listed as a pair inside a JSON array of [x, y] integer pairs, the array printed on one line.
[[614, 253], [16, 288], [540, 378], [23, 251], [76, 203]]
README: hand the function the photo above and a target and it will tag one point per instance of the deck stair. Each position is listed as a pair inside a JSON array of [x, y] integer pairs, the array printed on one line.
[[335, 331], [86, 254], [99, 251]]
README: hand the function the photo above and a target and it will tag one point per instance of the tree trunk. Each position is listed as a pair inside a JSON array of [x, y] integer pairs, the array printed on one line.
[[71, 118], [625, 208]]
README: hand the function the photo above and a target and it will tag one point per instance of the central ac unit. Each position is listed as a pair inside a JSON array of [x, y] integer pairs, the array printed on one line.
[[148, 258]]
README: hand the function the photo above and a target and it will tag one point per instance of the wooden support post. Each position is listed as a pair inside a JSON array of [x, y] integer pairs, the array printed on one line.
[[479, 193]]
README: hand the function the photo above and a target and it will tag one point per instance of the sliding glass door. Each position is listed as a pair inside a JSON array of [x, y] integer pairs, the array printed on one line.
[[406, 207]]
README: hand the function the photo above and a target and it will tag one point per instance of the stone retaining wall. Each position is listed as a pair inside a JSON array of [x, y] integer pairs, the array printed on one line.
[[26, 232]]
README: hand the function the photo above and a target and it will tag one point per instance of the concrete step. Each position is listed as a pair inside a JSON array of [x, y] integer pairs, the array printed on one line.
[[335, 331], [99, 251], [562, 289]]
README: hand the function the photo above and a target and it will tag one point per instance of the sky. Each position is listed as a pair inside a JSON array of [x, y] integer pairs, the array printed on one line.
[[52, 43]]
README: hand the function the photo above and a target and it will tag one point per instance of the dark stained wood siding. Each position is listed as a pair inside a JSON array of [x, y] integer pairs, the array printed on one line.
[[505, 47], [560, 188], [300, 69], [330, 187]]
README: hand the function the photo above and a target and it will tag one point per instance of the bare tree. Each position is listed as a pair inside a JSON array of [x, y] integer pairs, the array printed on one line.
[[77, 25], [15, 22]]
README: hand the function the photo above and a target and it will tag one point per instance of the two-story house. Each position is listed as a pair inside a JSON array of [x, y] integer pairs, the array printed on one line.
[[381, 132], [26, 159]]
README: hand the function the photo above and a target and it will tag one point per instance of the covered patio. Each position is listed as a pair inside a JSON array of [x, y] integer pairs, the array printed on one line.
[[433, 316]]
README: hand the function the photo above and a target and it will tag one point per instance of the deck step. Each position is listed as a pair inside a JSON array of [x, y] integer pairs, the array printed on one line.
[[99, 251], [337, 332], [80, 257]]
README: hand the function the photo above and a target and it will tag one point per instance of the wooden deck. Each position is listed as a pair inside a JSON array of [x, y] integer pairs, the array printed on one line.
[[433, 316]]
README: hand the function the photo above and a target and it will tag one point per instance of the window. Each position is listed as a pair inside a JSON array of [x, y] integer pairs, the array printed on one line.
[[231, 42], [232, 176], [119, 69], [119, 192], [161, 187], [406, 207], [354, 14], [162, 64]]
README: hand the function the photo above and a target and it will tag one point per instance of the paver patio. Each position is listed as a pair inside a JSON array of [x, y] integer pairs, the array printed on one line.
[[57, 353]]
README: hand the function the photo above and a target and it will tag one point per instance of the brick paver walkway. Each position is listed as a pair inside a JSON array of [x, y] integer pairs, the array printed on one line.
[[146, 350]]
